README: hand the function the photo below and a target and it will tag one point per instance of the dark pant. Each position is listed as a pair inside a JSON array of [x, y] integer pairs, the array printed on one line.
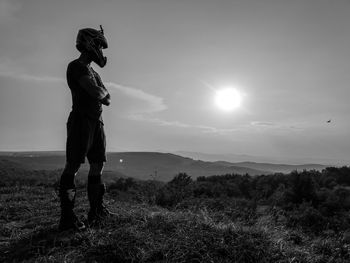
[[85, 137]]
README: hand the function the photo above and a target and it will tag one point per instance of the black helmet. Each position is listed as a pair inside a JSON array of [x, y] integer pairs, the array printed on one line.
[[92, 41]]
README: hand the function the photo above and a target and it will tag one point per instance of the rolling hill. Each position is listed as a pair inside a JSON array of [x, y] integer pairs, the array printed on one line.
[[164, 166], [275, 168], [149, 165], [140, 165]]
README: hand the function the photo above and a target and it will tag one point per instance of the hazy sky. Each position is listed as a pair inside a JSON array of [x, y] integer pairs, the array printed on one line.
[[166, 58]]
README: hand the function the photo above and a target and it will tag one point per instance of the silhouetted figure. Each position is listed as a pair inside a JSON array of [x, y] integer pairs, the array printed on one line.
[[85, 132]]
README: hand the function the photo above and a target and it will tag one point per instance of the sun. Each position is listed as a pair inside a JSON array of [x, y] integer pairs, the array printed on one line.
[[228, 99]]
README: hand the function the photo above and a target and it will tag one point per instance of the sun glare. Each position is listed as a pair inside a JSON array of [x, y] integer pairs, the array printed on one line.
[[228, 99]]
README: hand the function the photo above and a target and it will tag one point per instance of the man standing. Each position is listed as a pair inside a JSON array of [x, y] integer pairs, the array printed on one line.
[[85, 132]]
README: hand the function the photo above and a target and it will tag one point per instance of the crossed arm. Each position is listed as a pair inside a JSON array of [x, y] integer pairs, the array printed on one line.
[[98, 92]]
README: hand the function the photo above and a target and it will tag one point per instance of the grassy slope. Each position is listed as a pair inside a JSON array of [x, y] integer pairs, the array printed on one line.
[[140, 233]]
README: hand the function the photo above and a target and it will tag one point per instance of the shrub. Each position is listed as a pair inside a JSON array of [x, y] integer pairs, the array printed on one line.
[[179, 188], [302, 188], [306, 217], [122, 184], [146, 191]]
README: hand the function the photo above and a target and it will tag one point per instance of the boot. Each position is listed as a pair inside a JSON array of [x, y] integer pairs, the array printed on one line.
[[68, 218], [98, 210]]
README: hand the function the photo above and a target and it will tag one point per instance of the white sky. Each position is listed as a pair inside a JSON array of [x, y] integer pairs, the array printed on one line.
[[291, 59]]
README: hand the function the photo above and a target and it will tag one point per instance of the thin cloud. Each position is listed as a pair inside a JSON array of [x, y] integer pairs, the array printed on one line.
[[261, 123], [139, 117], [271, 125], [151, 103], [178, 124], [41, 78], [155, 103], [217, 131], [28, 77]]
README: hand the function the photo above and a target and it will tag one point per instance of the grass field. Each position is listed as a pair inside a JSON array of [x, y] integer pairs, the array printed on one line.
[[147, 233]]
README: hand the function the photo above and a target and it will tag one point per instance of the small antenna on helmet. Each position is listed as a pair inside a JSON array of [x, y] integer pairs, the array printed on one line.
[[102, 32]]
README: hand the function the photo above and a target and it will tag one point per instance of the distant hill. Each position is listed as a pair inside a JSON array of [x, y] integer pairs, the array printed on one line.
[[164, 166], [140, 165], [232, 158], [260, 163], [148, 165], [275, 168]]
